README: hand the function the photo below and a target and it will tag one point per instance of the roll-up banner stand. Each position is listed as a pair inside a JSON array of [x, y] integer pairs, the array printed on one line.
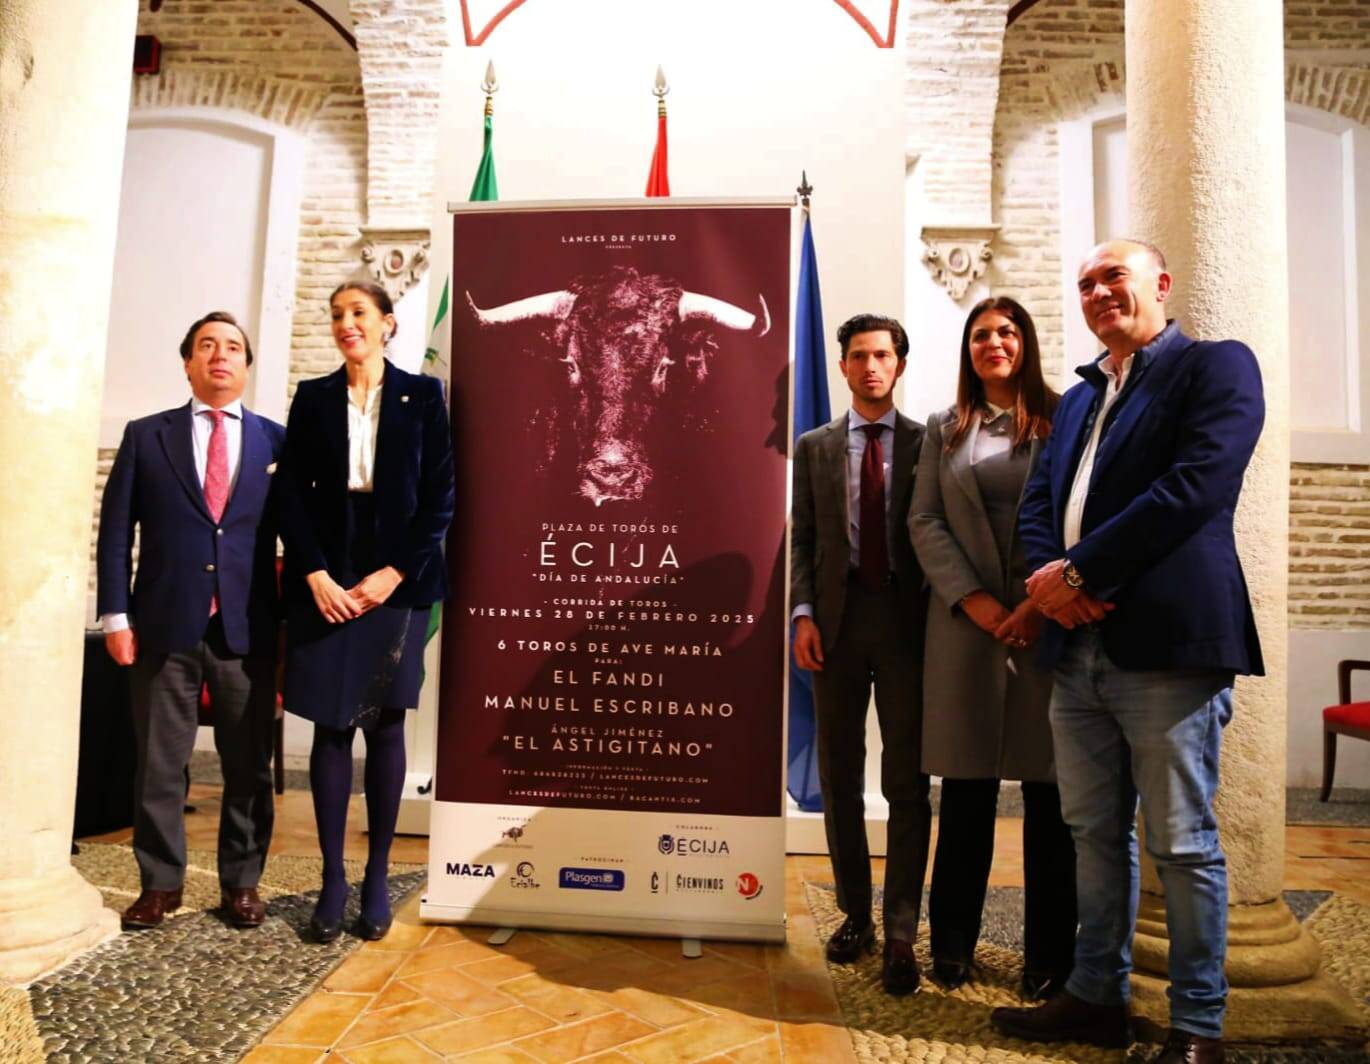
[[610, 734]]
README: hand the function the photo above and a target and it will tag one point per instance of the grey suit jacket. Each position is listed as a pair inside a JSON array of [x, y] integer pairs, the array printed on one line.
[[984, 706], [820, 550]]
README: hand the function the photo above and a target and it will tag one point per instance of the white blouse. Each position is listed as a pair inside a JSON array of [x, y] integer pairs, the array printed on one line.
[[991, 433], [363, 423]]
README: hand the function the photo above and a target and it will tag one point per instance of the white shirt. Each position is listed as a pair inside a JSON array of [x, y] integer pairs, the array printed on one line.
[[201, 425], [1079, 490], [856, 454], [990, 436], [363, 422]]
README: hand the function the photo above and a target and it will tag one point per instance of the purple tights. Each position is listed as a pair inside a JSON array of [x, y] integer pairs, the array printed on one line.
[[330, 779]]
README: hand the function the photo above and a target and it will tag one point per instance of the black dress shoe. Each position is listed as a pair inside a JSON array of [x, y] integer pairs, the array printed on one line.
[[899, 970], [371, 931], [950, 974], [1041, 986], [1065, 1018], [850, 940], [324, 930], [1182, 1047]]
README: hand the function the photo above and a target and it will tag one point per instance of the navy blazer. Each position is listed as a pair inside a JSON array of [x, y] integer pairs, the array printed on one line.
[[1156, 535], [184, 557], [412, 484]]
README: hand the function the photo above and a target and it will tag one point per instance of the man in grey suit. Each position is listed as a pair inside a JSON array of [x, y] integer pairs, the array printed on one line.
[[859, 612]]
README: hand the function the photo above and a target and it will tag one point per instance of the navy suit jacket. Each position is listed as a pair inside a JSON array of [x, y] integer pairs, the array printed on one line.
[[1156, 535], [412, 484], [184, 557]]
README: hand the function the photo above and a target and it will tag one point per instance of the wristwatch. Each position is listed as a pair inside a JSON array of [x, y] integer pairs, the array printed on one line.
[[1072, 577]]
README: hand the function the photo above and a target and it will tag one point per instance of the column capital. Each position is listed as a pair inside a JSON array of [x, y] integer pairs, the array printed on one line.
[[958, 255], [395, 257]]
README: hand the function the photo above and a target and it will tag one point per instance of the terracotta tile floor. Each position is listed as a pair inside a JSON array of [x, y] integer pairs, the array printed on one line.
[[430, 993]]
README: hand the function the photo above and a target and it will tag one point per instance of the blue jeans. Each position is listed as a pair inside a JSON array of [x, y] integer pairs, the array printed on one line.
[[1120, 734]]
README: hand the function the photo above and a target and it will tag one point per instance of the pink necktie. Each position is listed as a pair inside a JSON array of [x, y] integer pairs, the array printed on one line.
[[216, 479]]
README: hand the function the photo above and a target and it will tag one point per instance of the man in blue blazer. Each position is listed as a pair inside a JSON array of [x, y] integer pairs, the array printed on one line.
[[196, 481], [1127, 523]]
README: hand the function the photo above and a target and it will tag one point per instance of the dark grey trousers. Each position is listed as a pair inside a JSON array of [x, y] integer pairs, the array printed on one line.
[[871, 650], [166, 697]]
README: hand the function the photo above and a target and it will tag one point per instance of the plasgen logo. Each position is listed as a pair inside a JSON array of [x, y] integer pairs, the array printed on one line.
[[690, 846], [590, 879]]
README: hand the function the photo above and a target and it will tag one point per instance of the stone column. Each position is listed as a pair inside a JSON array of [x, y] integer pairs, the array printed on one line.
[[65, 67], [1205, 127]]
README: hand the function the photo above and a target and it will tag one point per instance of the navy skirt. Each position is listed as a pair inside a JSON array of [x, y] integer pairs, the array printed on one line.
[[343, 675]]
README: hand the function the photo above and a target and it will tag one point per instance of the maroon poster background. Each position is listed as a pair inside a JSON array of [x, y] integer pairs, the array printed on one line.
[[615, 634]]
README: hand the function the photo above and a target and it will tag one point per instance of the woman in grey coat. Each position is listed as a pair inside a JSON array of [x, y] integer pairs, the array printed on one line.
[[984, 700]]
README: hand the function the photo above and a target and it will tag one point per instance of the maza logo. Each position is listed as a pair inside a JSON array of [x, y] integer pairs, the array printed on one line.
[[688, 845], [749, 886], [522, 879], [476, 871]]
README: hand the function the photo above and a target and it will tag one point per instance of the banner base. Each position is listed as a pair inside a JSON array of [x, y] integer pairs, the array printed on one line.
[[651, 927]]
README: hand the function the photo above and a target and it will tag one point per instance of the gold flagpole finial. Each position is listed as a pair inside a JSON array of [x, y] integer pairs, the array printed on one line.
[[805, 189], [490, 86], [659, 90]]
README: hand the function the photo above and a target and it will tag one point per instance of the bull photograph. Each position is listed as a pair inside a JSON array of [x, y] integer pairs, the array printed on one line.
[[631, 346], [616, 630]]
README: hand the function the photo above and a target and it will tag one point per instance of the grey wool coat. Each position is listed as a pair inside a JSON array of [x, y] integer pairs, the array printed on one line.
[[984, 705]]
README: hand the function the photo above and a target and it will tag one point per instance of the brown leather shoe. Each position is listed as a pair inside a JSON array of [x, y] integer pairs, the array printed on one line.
[[243, 906], [850, 940], [899, 969], [1182, 1047], [1065, 1018], [149, 909]]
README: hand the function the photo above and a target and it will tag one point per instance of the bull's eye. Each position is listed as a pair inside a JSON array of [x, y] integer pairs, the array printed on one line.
[[572, 370], [659, 374]]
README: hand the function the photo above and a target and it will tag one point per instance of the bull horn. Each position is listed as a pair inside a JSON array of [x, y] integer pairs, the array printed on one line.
[[545, 305], [694, 305]]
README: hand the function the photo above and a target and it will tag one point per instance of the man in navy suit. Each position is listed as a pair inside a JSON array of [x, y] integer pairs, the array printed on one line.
[[196, 481], [1127, 523]]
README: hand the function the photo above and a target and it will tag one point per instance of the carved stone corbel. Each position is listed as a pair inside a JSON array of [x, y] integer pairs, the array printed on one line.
[[958, 255], [395, 258]]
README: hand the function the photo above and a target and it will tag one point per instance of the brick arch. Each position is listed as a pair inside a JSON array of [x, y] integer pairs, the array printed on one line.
[[1077, 88], [286, 103], [1338, 90]]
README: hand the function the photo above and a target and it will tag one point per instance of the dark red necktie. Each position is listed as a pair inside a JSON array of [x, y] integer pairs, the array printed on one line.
[[216, 478], [875, 555]]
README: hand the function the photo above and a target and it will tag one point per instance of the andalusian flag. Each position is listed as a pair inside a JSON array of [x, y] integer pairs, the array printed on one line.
[[484, 187], [440, 339]]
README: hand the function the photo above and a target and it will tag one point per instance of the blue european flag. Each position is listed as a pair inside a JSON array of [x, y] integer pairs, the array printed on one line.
[[811, 409]]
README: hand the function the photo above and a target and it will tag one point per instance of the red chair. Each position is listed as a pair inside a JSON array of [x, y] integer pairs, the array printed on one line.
[[1347, 718]]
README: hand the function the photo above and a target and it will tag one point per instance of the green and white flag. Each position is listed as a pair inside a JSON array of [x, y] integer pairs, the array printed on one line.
[[440, 339], [484, 187]]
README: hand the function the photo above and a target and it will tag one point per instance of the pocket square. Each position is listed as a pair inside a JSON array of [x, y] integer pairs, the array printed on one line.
[[404, 398], [271, 469]]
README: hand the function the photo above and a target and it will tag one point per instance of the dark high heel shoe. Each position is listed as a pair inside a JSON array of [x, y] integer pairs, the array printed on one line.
[[324, 931], [370, 930]]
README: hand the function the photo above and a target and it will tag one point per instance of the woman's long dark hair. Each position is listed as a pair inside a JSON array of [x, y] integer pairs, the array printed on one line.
[[1036, 403]]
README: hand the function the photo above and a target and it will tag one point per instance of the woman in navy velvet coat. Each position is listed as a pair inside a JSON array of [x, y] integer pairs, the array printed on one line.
[[366, 498]]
